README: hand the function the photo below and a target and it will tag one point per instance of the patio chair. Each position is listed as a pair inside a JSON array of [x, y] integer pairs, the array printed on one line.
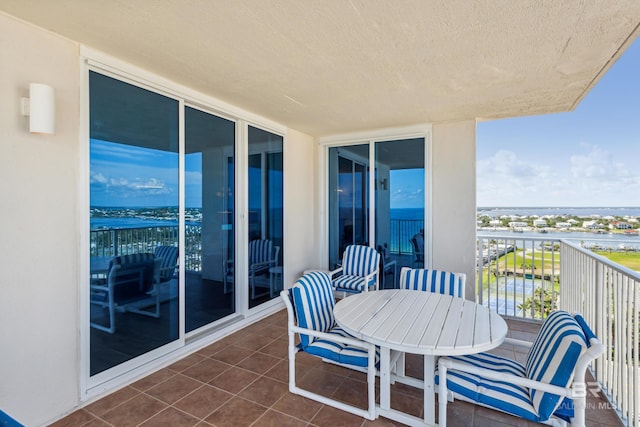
[[360, 266], [549, 388], [443, 282], [417, 246], [437, 281], [310, 303], [130, 279]]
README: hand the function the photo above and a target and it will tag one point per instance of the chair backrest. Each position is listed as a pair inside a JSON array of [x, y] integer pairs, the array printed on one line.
[[260, 250], [125, 268], [552, 358], [443, 282], [168, 256], [313, 302], [417, 241], [360, 260]]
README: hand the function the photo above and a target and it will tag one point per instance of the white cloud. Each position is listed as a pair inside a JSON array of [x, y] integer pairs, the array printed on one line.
[[591, 178]]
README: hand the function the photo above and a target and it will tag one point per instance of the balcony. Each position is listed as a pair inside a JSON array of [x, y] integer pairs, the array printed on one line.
[[243, 380], [521, 278]]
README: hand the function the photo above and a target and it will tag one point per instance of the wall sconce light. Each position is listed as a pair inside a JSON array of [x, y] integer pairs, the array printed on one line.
[[41, 108]]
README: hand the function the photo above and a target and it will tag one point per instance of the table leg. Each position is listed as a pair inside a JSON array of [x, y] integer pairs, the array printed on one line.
[[385, 378], [429, 392]]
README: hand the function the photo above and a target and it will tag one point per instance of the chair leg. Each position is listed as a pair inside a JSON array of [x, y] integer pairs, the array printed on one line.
[[442, 395]]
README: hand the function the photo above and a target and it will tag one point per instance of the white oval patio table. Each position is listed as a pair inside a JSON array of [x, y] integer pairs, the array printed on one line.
[[418, 322]]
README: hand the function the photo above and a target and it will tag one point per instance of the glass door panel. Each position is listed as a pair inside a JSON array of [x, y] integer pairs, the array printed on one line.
[[209, 218], [134, 198], [399, 204], [265, 196], [348, 199]]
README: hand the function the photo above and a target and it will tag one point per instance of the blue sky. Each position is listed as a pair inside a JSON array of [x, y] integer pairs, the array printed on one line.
[[587, 157]]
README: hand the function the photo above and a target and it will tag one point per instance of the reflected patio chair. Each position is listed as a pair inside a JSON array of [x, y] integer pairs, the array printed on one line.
[[360, 270], [262, 256], [310, 303], [417, 246], [549, 388], [164, 286], [130, 279]]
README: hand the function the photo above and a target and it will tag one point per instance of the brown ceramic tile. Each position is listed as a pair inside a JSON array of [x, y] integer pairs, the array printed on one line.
[[154, 379], [332, 417], [297, 406], [237, 412], [111, 401], [497, 418], [206, 370], [203, 401], [174, 388], [320, 382], [134, 411], [171, 417], [276, 349], [254, 342], [276, 419], [280, 372], [232, 354], [96, 422], [186, 362], [264, 391], [234, 380], [275, 330], [352, 392], [77, 418], [258, 363]]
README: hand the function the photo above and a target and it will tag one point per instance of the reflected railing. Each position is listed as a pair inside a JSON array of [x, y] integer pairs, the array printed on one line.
[[112, 242], [400, 233]]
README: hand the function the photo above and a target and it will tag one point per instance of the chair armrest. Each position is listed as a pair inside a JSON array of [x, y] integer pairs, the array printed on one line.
[[334, 272], [501, 376], [336, 338], [516, 342]]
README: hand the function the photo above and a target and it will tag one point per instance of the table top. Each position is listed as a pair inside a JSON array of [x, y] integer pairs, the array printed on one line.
[[421, 322]]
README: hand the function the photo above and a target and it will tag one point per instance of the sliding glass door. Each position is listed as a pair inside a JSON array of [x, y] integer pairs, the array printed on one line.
[[394, 223], [265, 240], [134, 199], [209, 218]]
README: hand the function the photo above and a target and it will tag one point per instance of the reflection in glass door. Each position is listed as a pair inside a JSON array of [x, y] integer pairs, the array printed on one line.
[[265, 237], [209, 218], [134, 198], [348, 199], [399, 204]]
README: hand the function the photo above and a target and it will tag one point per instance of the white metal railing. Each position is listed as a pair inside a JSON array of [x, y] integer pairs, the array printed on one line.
[[608, 295], [518, 276]]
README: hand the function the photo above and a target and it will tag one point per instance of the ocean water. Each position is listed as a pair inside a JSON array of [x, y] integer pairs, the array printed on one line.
[[577, 211]]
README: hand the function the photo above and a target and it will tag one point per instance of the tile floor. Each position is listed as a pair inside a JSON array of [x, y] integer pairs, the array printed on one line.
[[241, 380]]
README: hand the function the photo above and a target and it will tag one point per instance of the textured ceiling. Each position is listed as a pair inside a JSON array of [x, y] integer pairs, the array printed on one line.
[[333, 66]]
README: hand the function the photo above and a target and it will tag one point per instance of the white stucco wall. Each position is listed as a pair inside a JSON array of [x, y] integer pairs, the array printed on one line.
[[301, 217], [39, 316], [454, 199]]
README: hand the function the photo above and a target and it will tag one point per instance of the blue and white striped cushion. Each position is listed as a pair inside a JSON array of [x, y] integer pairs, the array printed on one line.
[[351, 283], [169, 256], [339, 352], [442, 282], [314, 302], [360, 260], [500, 395], [552, 358], [260, 251]]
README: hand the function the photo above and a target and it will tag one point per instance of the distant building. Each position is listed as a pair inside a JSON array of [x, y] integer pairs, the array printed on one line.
[[563, 224], [517, 224], [539, 223], [619, 225]]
